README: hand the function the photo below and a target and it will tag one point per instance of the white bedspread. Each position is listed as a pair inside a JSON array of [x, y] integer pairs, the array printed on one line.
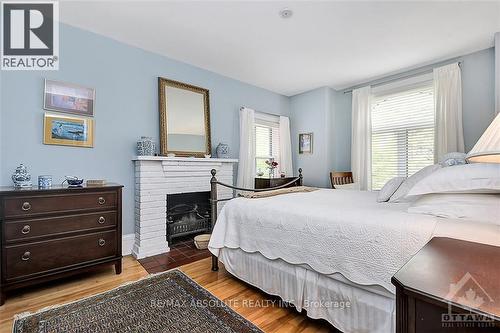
[[331, 231]]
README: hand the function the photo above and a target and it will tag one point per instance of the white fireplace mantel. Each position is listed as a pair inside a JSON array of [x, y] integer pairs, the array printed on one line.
[[157, 176], [185, 159]]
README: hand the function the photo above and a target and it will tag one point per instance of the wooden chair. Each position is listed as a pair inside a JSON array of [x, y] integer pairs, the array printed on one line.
[[340, 178]]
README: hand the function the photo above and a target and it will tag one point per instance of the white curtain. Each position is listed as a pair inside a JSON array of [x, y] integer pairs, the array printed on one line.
[[246, 163], [361, 140], [285, 147], [448, 106], [497, 72]]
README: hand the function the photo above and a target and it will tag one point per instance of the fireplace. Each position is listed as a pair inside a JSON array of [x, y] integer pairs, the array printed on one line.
[[187, 213], [159, 176]]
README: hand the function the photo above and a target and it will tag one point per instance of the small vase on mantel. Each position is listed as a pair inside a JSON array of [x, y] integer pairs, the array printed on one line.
[[146, 146], [222, 150]]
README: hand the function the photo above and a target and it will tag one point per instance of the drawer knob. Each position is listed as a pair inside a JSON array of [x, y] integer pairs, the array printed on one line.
[[26, 256], [102, 220], [26, 206], [101, 201], [102, 242], [26, 229]]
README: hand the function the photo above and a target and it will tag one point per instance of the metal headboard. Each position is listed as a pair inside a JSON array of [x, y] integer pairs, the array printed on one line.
[[214, 199]]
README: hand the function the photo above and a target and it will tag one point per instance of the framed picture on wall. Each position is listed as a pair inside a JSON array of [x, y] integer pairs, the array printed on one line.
[[68, 98], [68, 130], [305, 143]]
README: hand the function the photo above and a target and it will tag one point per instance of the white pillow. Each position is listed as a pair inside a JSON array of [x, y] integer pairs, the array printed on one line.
[[468, 178], [477, 207], [389, 188], [402, 191]]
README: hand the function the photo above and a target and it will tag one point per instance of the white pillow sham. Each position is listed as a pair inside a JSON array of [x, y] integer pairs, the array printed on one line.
[[477, 207], [468, 178], [389, 188], [402, 191]]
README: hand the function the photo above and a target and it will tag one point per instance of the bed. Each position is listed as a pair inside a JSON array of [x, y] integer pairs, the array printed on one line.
[[331, 252]]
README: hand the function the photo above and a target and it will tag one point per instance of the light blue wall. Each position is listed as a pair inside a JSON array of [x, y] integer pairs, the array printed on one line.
[[478, 88], [125, 79], [326, 113], [310, 112], [340, 138]]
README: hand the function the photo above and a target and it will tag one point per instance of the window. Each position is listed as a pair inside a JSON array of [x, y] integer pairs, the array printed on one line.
[[402, 133], [267, 143]]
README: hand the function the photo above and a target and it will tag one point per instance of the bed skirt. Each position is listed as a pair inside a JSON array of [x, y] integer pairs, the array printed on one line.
[[347, 306]]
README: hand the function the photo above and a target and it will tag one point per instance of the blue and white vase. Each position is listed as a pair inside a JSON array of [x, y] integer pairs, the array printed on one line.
[[45, 181], [146, 146], [21, 177], [222, 150]]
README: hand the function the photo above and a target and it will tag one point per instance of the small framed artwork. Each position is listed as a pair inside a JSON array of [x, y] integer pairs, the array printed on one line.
[[68, 130], [69, 98], [305, 143]]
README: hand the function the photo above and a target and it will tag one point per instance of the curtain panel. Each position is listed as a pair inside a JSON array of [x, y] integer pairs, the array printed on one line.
[[246, 164], [448, 107], [285, 147], [361, 140]]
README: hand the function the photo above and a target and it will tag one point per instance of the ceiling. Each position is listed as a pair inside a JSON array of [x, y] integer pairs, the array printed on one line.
[[336, 44]]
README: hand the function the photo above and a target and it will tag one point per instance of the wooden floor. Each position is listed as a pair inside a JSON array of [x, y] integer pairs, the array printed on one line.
[[261, 309]]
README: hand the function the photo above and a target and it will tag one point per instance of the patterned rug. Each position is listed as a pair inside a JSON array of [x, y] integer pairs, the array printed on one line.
[[166, 302]]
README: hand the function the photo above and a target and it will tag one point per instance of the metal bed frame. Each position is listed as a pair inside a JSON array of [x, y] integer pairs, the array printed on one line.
[[298, 181]]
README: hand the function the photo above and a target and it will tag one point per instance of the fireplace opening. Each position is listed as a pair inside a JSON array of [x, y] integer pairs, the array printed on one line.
[[187, 214]]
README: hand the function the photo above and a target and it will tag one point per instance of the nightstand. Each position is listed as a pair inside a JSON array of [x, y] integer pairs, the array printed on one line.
[[449, 286], [261, 182]]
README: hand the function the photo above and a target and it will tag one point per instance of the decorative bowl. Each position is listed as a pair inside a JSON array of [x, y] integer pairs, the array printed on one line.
[[73, 181]]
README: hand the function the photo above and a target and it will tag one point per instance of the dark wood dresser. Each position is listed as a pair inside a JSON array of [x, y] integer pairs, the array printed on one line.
[[52, 233], [263, 182], [449, 286]]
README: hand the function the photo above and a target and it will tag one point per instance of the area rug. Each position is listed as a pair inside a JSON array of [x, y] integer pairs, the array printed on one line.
[[166, 302]]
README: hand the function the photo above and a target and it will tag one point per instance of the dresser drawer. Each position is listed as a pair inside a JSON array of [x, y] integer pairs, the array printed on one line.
[[35, 205], [34, 258], [28, 229]]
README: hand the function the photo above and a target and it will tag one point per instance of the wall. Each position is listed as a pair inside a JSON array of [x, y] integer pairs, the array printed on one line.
[[478, 89], [341, 132], [125, 79], [312, 110]]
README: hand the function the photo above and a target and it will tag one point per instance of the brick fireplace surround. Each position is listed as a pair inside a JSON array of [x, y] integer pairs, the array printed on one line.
[[155, 177]]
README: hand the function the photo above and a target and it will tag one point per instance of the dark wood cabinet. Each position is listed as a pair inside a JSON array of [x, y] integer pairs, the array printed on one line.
[[449, 286], [51, 233], [262, 182]]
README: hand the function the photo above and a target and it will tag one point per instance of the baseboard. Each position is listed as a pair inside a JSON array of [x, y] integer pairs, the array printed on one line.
[[127, 244]]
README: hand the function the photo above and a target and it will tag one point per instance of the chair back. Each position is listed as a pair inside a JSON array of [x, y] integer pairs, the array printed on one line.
[[340, 178]]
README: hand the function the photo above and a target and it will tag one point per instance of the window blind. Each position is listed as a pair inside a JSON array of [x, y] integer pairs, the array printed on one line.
[[266, 144], [402, 133]]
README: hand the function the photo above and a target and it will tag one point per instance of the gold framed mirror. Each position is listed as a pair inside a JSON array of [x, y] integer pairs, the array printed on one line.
[[184, 119]]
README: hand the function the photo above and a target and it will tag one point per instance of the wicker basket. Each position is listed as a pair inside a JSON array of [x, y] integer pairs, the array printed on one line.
[[201, 241]]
